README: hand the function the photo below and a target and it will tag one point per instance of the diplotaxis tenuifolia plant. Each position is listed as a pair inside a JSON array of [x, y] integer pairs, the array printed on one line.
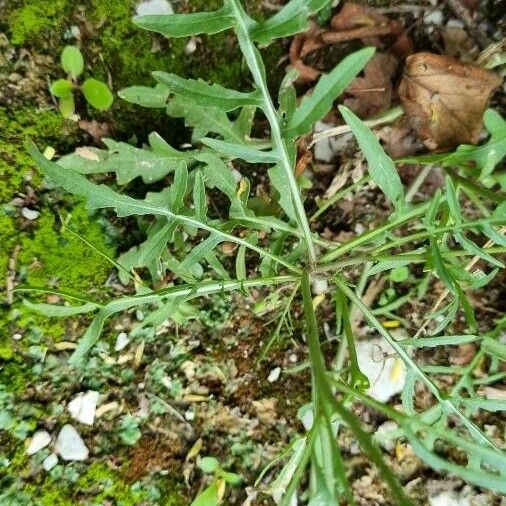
[[292, 257]]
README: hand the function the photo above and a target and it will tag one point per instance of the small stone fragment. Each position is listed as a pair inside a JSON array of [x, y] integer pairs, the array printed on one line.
[[320, 286], [274, 375], [82, 408], [122, 341], [50, 462], [385, 442], [70, 445], [449, 499], [40, 440], [29, 214], [154, 7]]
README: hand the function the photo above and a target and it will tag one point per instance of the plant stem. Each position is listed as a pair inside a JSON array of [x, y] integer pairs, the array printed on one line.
[[369, 235], [420, 178], [257, 70]]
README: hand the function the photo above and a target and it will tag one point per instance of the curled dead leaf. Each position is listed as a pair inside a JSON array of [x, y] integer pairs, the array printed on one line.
[[372, 93], [303, 44], [445, 99]]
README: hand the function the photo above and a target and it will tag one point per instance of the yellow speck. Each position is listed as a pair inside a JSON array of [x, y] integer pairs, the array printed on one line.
[[392, 324], [221, 490], [243, 184], [49, 153], [400, 451], [195, 449], [318, 300], [396, 371], [195, 398]]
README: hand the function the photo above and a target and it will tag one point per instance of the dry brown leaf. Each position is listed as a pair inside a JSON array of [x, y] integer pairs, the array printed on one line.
[[372, 93], [355, 21], [96, 129], [303, 44], [445, 99]]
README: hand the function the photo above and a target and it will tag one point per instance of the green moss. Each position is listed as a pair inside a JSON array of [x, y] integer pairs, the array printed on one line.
[[37, 18], [59, 258], [112, 489], [16, 126], [7, 239]]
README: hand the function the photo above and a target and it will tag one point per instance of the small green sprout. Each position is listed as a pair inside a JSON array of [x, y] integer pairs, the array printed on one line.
[[96, 92], [214, 493]]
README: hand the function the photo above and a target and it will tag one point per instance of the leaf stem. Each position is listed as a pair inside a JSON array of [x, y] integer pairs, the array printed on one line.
[[257, 70]]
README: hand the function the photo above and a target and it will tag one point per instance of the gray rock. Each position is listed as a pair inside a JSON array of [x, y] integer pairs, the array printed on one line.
[[152, 7], [70, 445], [50, 462], [40, 439]]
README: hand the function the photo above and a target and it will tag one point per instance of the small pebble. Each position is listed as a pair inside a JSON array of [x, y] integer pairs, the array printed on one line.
[[75, 31], [449, 499], [83, 407], [434, 18], [40, 440], [17, 336], [50, 462], [307, 419], [70, 445], [320, 285], [122, 341], [274, 375], [29, 214], [237, 175], [153, 7], [386, 443], [359, 228], [191, 47]]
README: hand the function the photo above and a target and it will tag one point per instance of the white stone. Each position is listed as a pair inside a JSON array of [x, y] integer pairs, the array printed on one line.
[[307, 418], [380, 435], [433, 18], [75, 31], [320, 286], [122, 341], [448, 499], [324, 149], [191, 47], [50, 462], [40, 439], [70, 445], [274, 375], [17, 336], [83, 407], [385, 370], [29, 214], [154, 7], [237, 175]]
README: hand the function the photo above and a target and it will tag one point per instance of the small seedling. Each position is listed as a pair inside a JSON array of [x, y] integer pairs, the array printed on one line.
[[214, 493], [96, 92]]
